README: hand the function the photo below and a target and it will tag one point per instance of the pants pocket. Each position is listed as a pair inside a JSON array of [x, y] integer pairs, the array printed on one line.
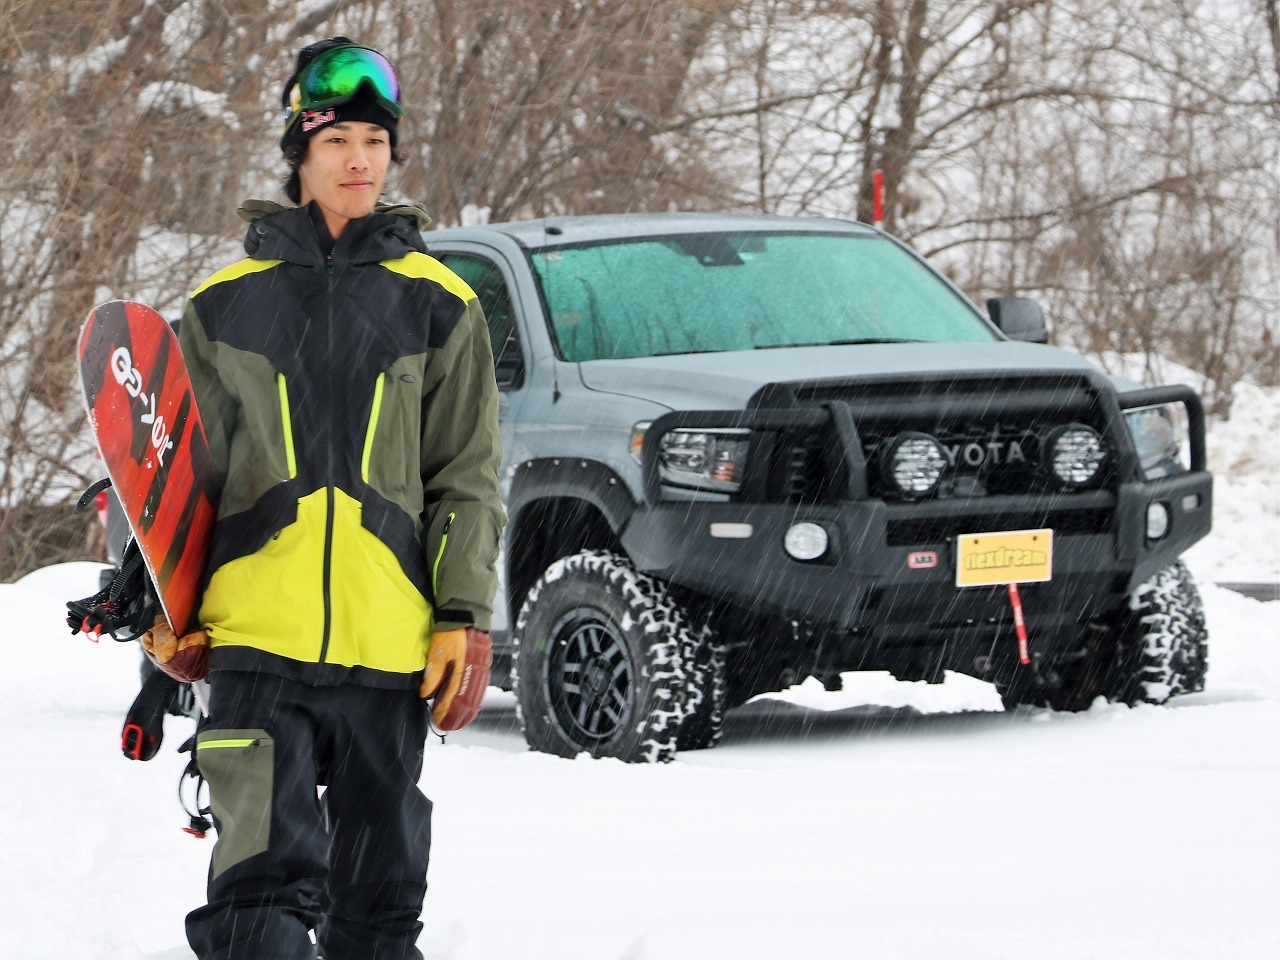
[[239, 766]]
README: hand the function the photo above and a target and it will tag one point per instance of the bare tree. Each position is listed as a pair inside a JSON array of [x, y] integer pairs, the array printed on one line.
[[118, 114], [139, 124], [1120, 160], [530, 107]]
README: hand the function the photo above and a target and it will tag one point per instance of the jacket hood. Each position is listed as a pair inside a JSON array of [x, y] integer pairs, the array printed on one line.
[[280, 232]]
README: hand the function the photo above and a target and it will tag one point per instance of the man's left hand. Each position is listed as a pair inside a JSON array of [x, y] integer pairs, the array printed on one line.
[[458, 663]]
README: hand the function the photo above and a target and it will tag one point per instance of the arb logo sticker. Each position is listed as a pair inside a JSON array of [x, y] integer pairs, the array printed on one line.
[[924, 560]]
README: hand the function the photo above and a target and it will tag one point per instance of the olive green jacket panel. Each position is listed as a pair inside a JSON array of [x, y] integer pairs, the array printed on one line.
[[463, 510], [242, 394]]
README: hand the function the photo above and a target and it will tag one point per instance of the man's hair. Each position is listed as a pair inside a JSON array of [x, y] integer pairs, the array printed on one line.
[[296, 153]]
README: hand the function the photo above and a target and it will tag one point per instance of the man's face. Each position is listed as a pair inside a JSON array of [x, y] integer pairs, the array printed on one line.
[[344, 170]]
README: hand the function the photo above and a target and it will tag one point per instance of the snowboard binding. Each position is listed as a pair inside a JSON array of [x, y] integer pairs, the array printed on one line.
[[128, 603]]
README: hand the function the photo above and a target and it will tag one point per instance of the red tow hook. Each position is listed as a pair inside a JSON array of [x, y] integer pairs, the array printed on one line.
[[1019, 624]]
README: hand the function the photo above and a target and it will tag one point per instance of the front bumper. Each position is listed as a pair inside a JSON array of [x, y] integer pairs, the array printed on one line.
[[875, 576], [888, 578]]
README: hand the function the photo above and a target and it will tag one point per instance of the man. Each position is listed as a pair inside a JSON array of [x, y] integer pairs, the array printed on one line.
[[346, 384]]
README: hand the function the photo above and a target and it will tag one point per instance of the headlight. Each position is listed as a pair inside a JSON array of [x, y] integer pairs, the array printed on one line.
[[1076, 454], [704, 459], [1158, 435], [914, 463]]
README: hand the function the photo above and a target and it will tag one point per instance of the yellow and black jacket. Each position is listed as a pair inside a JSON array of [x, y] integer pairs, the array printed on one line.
[[351, 408]]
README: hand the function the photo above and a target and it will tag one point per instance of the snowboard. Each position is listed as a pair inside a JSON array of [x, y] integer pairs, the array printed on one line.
[[143, 414]]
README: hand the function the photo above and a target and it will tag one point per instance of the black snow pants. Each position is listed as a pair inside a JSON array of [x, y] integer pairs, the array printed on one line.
[[351, 865]]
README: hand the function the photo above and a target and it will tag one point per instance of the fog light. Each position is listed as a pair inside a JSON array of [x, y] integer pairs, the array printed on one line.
[[805, 541], [1157, 520], [915, 463], [1076, 454]]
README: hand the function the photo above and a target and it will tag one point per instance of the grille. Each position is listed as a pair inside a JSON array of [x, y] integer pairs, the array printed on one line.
[[804, 468], [983, 458], [930, 530], [993, 431]]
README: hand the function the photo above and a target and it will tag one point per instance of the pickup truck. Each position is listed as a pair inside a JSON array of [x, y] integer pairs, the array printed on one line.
[[741, 450]]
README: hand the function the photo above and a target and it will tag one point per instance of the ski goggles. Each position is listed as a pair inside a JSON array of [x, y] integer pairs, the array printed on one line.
[[337, 75]]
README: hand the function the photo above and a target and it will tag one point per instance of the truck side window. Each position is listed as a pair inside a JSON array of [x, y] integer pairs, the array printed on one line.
[[485, 279]]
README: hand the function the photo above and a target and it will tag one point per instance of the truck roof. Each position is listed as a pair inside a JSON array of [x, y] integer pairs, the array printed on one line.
[[549, 231]]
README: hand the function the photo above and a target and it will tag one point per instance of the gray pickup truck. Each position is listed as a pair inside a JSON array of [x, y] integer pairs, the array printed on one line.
[[744, 450]]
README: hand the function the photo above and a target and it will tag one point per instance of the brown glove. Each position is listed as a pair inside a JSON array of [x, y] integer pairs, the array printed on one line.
[[184, 658], [457, 674]]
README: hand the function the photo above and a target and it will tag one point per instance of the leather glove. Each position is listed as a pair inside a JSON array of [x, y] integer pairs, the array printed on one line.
[[457, 674], [184, 658]]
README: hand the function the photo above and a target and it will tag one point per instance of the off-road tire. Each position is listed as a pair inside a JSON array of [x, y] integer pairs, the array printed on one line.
[[599, 664], [1167, 638], [1157, 649], [705, 693]]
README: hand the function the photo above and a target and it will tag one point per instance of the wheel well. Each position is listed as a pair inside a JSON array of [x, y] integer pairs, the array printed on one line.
[[546, 530]]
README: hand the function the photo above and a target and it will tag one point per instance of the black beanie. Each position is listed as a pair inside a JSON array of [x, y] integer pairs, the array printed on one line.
[[364, 106]]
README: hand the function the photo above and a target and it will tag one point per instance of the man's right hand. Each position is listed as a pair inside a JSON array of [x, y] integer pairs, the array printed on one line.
[[184, 658]]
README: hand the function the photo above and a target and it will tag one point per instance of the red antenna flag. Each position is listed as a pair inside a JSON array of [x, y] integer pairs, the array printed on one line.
[[877, 197]]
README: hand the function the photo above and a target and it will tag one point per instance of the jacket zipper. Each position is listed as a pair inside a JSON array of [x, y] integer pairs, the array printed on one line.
[[286, 423], [435, 570], [373, 426], [327, 577]]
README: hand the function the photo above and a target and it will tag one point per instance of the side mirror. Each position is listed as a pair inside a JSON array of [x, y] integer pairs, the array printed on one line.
[[1019, 319]]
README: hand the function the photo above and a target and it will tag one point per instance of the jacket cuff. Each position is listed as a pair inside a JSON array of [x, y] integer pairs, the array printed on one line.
[[453, 620]]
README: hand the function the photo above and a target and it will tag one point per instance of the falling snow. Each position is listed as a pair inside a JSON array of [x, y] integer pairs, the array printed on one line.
[[888, 821]]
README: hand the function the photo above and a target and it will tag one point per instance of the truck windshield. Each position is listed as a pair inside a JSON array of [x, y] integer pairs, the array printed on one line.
[[700, 293]]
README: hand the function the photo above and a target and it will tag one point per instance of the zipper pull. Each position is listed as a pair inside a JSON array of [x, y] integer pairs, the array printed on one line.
[[435, 567]]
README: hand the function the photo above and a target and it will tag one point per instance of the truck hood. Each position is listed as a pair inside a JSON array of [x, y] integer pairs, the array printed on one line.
[[725, 381]]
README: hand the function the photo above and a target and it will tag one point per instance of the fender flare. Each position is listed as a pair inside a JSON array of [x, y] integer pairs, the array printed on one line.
[[573, 478]]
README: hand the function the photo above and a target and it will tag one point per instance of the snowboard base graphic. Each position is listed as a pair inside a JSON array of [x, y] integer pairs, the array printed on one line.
[[138, 396]]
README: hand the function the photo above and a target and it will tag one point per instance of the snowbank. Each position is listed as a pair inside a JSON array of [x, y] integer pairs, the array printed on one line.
[[1244, 455], [895, 822]]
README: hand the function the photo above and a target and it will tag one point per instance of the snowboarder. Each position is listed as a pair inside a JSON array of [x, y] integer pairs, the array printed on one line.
[[347, 387]]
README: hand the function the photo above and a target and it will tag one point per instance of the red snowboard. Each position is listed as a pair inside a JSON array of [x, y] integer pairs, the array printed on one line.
[[149, 433]]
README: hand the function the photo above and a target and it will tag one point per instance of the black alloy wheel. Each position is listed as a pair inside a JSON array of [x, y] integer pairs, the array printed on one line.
[[590, 678]]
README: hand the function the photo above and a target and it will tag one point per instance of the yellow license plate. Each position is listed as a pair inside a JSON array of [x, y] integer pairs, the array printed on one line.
[[1013, 556]]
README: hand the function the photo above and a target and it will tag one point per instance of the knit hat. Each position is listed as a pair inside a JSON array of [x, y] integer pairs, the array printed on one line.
[[365, 104]]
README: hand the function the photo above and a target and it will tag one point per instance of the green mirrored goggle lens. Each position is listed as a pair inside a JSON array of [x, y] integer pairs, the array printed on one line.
[[336, 75]]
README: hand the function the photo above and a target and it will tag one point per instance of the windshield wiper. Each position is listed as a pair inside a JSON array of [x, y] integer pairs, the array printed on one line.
[[837, 343]]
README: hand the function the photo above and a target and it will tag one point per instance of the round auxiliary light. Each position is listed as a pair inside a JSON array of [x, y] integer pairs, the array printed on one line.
[[1076, 454], [915, 463], [1157, 520], [805, 541]]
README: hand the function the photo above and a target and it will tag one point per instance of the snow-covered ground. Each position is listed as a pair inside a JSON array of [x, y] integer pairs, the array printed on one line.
[[891, 821]]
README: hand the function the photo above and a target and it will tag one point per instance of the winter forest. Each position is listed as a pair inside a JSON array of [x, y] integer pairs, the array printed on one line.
[[1117, 161]]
